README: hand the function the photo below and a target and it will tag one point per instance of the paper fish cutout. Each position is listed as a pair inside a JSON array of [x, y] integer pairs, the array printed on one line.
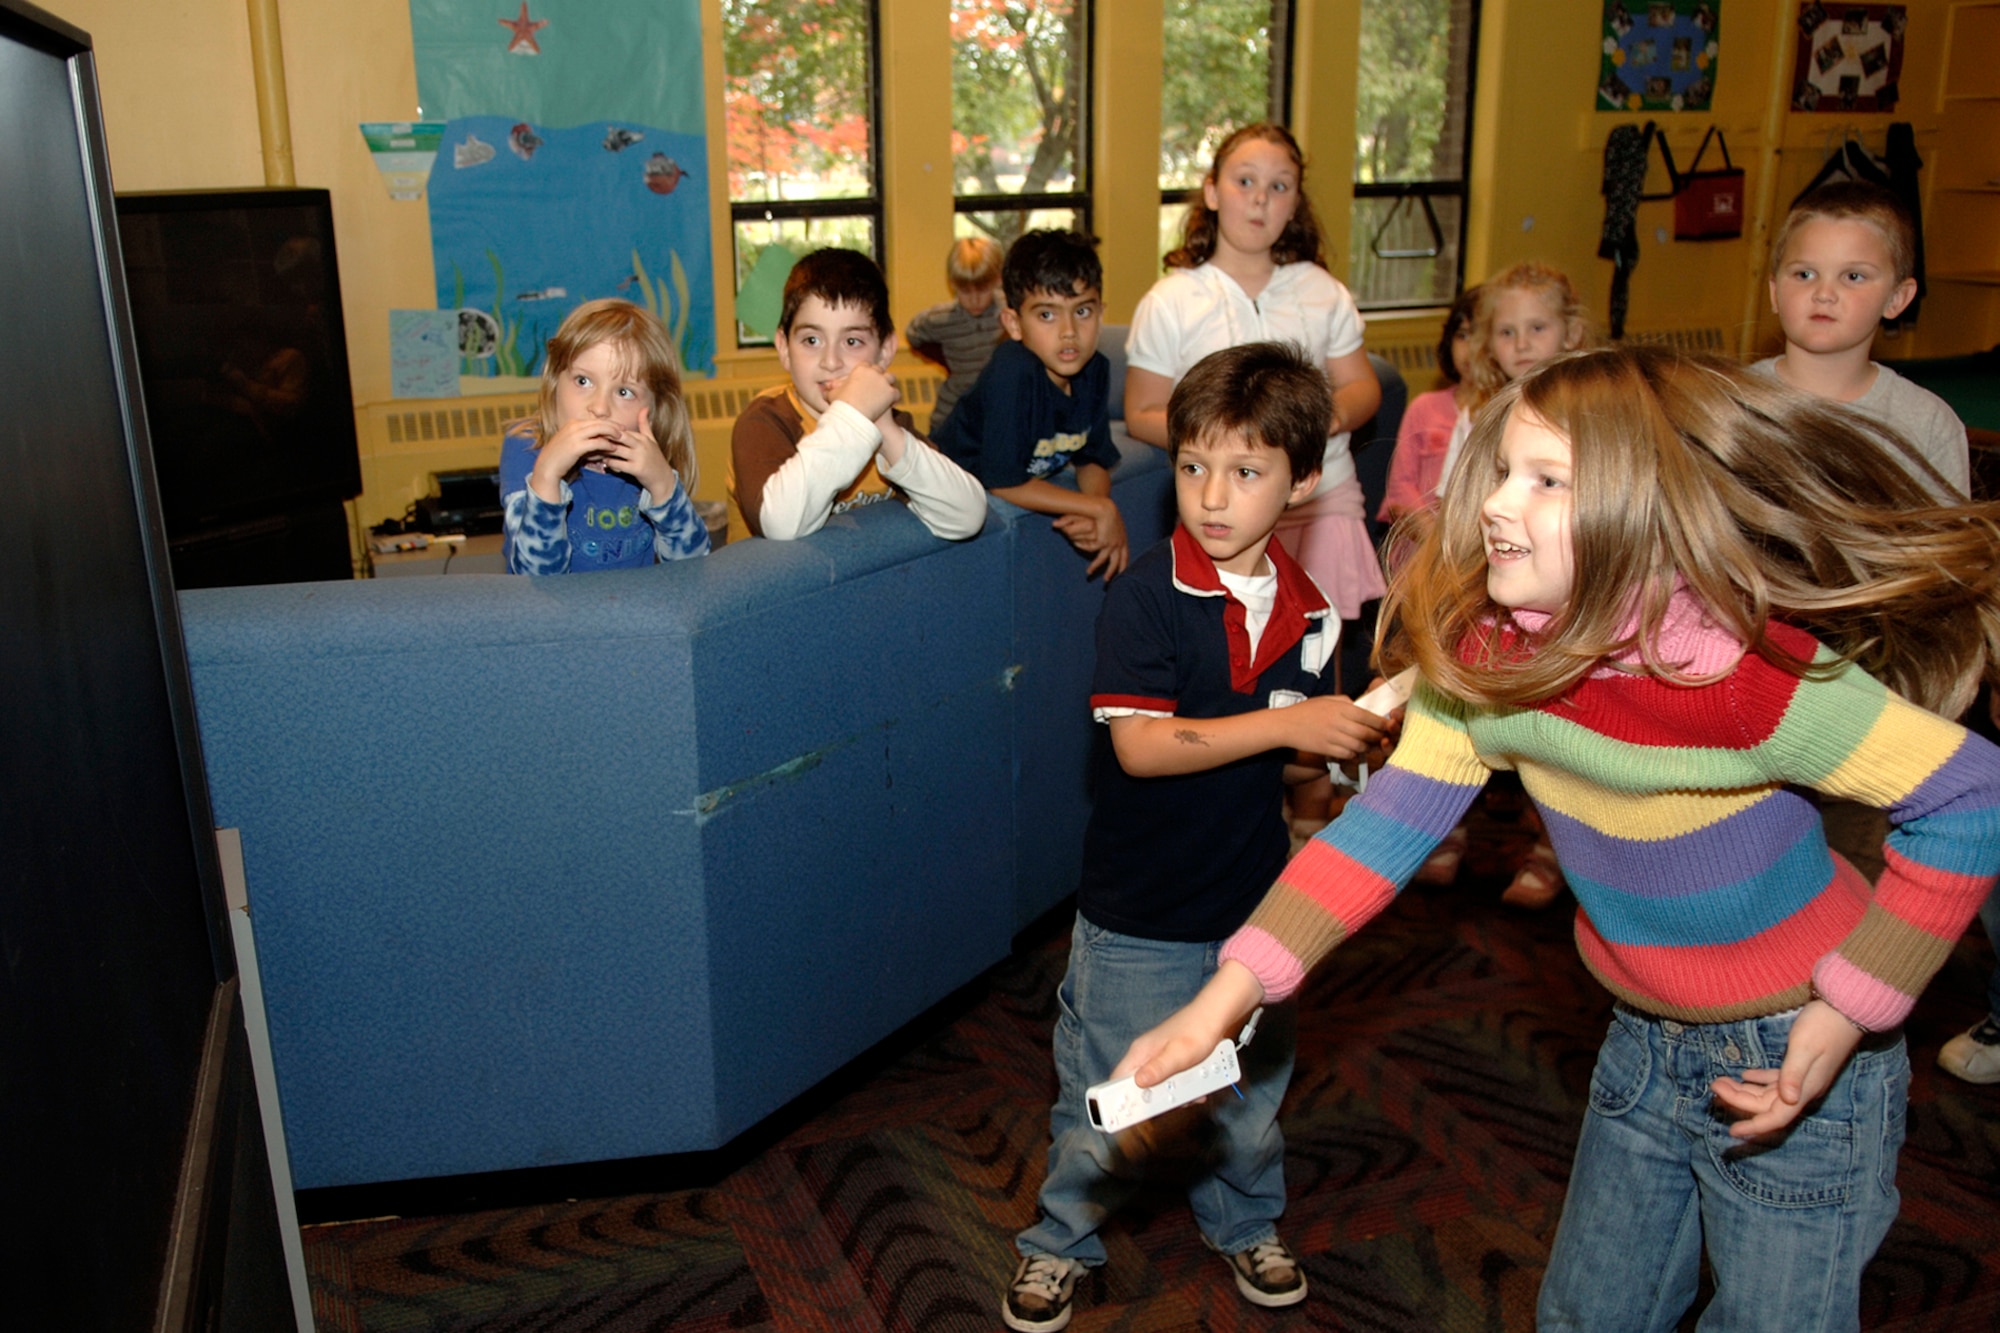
[[617, 140], [662, 174], [542, 294], [474, 152], [524, 141]]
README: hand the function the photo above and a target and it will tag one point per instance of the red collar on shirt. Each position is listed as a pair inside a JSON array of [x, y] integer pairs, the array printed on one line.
[[1298, 600]]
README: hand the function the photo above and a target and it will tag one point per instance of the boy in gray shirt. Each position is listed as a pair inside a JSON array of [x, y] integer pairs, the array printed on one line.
[[960, 334], [1844, 261]]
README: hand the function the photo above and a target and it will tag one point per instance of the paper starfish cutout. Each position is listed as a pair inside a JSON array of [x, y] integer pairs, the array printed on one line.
[[523, 41]]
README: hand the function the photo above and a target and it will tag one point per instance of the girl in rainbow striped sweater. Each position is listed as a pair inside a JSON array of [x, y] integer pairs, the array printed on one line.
[[1614, 602]]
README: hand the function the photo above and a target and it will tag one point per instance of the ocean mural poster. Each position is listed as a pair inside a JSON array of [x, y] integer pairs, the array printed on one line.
[[574, 165]]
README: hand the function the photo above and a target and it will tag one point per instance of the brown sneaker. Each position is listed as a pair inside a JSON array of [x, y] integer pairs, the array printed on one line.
[[1268, 1275], [1038, 1301]]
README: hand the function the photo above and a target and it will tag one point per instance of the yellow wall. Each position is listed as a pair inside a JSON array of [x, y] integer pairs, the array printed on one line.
[[181, 112], [1327, 47], [1538, 159], [1125, 199], [180, 108]]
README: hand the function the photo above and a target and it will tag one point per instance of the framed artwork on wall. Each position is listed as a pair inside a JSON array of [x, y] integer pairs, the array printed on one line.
[[1659, 55], [1850, 57]]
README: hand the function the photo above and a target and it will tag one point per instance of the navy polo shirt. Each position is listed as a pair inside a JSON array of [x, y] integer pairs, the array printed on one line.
[[1187, 857]]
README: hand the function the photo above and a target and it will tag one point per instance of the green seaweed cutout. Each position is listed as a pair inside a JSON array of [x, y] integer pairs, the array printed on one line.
[[684, 332], [467, 365], [507, 359], [506, 355], [670, 306]]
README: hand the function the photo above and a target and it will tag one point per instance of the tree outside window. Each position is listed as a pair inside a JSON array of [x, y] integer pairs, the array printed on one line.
[[799, 96], [1223, 68], [1018, 99], [1412, 117]]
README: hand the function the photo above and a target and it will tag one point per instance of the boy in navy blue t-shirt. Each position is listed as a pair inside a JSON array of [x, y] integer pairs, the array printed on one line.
[[1043, 402], [1212, 655]]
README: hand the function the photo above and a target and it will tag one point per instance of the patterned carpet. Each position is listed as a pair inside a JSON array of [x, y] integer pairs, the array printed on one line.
[[1443, 1059]]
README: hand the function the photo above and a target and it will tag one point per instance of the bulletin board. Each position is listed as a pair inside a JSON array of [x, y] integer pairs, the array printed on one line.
[[1850, 57], [573, 165], [1659, 55]]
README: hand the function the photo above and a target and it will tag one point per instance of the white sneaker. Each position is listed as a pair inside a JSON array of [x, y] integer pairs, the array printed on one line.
[[1038, 1301], [1974, 1055]]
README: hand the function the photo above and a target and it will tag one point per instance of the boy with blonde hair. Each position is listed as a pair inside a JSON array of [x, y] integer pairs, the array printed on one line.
[[1844, 261], [961, 333]]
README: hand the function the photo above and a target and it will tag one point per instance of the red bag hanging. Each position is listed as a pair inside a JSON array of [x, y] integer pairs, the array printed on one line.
[[1708, 205]]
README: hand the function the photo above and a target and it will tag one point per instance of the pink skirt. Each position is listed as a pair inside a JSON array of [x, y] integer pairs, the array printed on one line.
[[1327, 535]]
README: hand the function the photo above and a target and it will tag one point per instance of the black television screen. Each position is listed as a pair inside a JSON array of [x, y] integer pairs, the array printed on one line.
[[242, 352]]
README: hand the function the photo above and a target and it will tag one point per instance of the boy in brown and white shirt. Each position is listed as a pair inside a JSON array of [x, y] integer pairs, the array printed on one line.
[[831, 439]]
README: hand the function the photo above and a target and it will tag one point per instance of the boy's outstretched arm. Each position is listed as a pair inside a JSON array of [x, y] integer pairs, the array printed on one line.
[[1152, 747], [1219, 1009]]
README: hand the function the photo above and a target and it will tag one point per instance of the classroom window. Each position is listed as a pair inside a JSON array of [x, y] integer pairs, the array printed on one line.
[[1224, 66], [1412, 130], [802, 109], [1019, 105]]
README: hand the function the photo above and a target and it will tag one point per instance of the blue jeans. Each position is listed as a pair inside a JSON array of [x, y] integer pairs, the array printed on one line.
[[1788, 1228], [1117, 987]]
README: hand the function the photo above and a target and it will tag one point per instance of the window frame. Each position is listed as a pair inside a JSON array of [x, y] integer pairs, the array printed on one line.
[[1076, 201], [853, 206], [1421, 194], [1278, 107]]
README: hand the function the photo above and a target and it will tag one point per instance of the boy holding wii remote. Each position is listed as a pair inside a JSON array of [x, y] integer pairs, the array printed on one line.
[[1213, 675]]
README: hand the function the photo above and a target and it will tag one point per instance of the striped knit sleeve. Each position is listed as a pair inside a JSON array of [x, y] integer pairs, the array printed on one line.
[[1940, 784], [1358, 863]]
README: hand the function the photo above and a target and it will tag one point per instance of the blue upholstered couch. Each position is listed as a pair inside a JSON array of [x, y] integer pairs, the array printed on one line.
[[574, 869]]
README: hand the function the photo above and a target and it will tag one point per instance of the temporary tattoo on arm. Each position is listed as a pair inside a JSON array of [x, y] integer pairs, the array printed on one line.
[[1189, 736]]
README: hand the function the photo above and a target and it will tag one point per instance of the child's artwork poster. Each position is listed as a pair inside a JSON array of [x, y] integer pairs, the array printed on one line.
[[1850, 57], [1659, 55], [573, 165], [424, 353]]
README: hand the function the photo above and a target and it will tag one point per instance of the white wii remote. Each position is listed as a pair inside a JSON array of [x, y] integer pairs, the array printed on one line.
[[1114, 1106], [1391, 694]]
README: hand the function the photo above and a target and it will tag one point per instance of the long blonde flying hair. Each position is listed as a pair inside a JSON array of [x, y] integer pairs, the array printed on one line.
[[1766, 503]]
